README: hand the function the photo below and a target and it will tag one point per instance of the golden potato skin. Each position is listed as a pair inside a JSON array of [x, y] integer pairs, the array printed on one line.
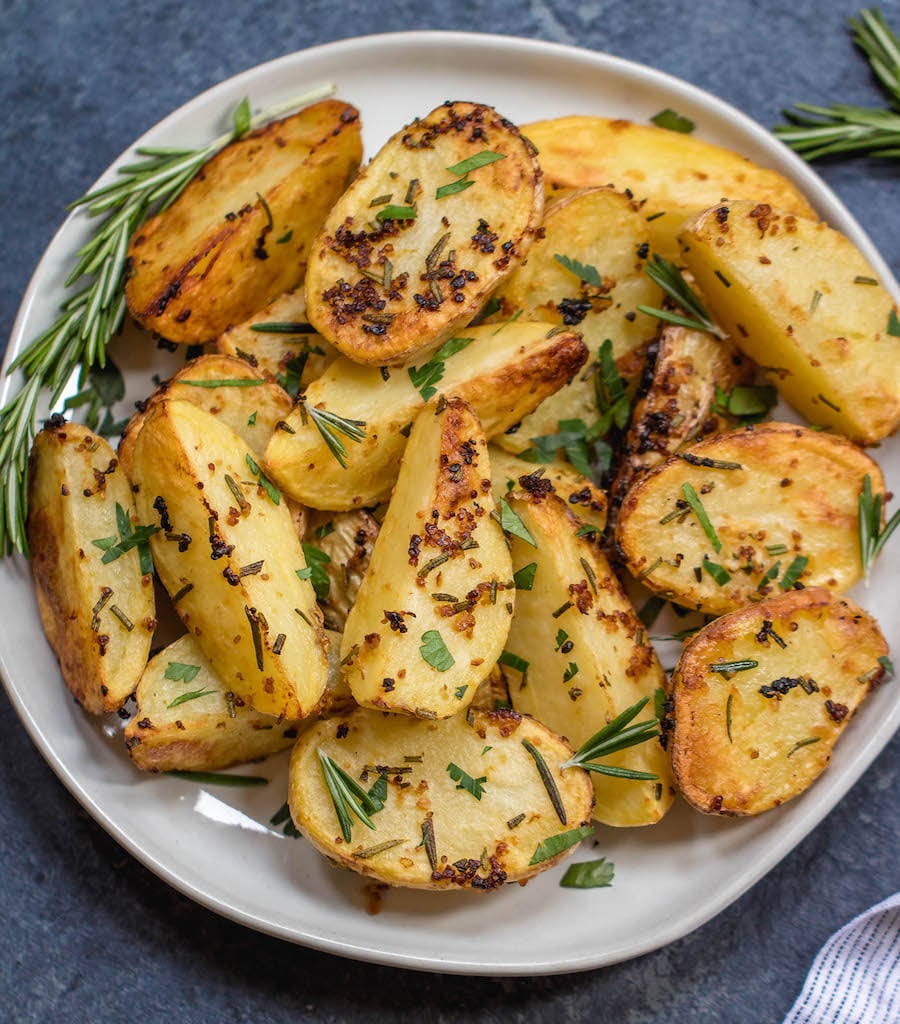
[[588, 654], [801, 300], [746, 742], [270, 353], [608, 232], [381, 290], [678, 175], [74, 485], [479, 844], [503, 374], [214, 256], [794, 490], [251, 411], [440, 573], [229, 557]]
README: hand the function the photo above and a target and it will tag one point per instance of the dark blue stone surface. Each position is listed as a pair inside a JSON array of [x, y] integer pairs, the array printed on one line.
[[90, 935]]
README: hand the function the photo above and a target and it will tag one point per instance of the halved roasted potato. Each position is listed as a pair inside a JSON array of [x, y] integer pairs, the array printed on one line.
[[344, 542], [582, 495], [94, 590], [577, 655], [277, 340], [226, 387], [465, 806], [801, 299], [433, 611], [676, 174], [745, 514], [585, 272], [411, 250], [502, 371], [689, 369], [229, 555], [239, 235], [761, 696], [188, 719]]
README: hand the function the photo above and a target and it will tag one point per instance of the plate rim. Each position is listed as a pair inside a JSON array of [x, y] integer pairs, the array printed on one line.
[[826, 202]]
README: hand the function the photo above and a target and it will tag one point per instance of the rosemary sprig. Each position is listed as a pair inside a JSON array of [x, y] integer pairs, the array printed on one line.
[[330, 425], [670, 279], [79, 337], [617, 735], [816, 131], [872, 536], [348, 797]]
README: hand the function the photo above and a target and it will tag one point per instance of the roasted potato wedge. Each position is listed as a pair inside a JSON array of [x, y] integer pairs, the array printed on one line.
[[345, 540], [188, 719], [606, 234], [582, 496], [678, 405], [432, 613], [801, 299], [503, 373], [229, 555], [226, 387], [782, 508], [466, 807], [95, 602], [586, 652], [412, 249], [267, 342], [746, 740], [239, 235], [678, 175]]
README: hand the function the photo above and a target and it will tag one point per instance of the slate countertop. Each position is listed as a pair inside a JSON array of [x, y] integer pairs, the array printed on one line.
[[89, 934]]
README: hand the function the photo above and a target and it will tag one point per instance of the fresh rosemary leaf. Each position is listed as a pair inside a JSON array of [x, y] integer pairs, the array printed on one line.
[[589, 874], [425, 377], [673, 121], [315, 571], [475, 161], [283, 327], [617, 735], [235, 382], [728, 668], [718, 572], [191, 695], [218, 778], [465, 781], [793, 572], [802, 743], [180, 672], [378, 791], [555, 845], [692, 498], [264, 481], [512, 524], [397, 213], [548, 781], [872, 536], [452, 188], [348, 797], [434, 651], [668, 277], [524, 578], [330, 425], [585, 272]]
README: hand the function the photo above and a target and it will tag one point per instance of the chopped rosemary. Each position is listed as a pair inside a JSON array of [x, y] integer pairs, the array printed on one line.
[[180, 672], [803, 743], [515, 822], [380, 848], [472, 163], [218, 778], [555, 845], [793, 572], [429, 843], [225, 382], [397, 213], [465, 781], [283, 327], [692, 498], [184, 697], [330, 425], [728, 668], [589, 874], [585, 273], [548, 781], [434, 651], [776, 549], [264, 482], [872, 536], [728, 708], [619, 734], [122, 617], [348, 797], [770, 574], [670, 279], [256, 635], [718, 572], [460, 185]]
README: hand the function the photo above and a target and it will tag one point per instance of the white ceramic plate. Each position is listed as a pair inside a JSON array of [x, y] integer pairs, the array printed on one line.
[[215, 844]]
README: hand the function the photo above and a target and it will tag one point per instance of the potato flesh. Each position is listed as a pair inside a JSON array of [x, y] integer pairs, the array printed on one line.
[[736, 750], [73, 489], [261, 629], [480, 844], [251, 411], [588, 655], [607, 231], [270, 353], [438, 538], [445, 260], [803, 302], [240, 233], [503, 374], [677, 174], [797, 489]]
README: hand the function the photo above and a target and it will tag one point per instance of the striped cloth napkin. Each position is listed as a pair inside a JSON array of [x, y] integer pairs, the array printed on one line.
[[855, 979]]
